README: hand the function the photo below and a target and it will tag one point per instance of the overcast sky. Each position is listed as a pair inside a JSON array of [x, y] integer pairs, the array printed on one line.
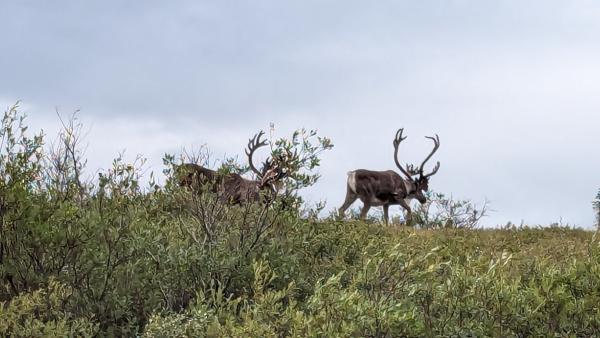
[[511, 87]]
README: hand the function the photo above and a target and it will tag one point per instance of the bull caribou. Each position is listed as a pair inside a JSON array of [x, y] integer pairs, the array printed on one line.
[[231, 187], [385, 188]]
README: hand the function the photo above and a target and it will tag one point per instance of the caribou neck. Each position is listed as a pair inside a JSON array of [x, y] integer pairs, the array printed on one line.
[[409, 186]]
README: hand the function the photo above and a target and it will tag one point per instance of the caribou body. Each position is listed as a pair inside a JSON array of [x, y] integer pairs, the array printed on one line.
[[232, 188], [385, 188]]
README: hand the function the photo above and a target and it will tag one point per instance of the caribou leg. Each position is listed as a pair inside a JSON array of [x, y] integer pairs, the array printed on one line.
[[350, 198], [386, 207], [405, 205], [364, 211]]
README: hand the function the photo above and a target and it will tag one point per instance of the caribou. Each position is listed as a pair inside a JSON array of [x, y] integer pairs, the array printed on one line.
[[232, 188], [385, 188]]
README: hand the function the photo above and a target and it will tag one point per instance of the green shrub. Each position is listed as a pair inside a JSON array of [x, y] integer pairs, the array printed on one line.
[[107, 256], [42, 313]]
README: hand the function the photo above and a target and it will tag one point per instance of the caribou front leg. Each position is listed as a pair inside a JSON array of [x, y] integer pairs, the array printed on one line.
[[405, 205]]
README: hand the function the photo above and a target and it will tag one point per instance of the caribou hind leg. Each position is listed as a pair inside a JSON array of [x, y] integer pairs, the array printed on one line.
[[350, 198], [364, 211]]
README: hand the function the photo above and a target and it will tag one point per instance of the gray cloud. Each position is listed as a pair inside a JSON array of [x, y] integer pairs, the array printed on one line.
[[511, 87]]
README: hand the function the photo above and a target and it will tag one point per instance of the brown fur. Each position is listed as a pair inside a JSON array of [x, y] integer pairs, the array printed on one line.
[[232, 187]]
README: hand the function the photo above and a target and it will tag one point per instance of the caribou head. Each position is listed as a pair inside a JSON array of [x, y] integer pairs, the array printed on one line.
[[272, 172], [416, 182]]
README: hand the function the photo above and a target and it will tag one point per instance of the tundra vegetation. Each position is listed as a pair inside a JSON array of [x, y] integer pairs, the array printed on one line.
[[106, 256]]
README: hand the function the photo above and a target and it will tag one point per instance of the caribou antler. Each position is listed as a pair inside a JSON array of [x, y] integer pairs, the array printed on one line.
[[435, 169], [267, 164], [253, 144], [412, 170], [436, 145], [396, 142]]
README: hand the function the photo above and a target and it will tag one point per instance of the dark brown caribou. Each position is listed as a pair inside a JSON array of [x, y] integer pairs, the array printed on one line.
[[232, 187], [385, 188]]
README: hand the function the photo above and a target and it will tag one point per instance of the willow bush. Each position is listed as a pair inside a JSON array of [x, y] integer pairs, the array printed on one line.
[[111, 256]]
